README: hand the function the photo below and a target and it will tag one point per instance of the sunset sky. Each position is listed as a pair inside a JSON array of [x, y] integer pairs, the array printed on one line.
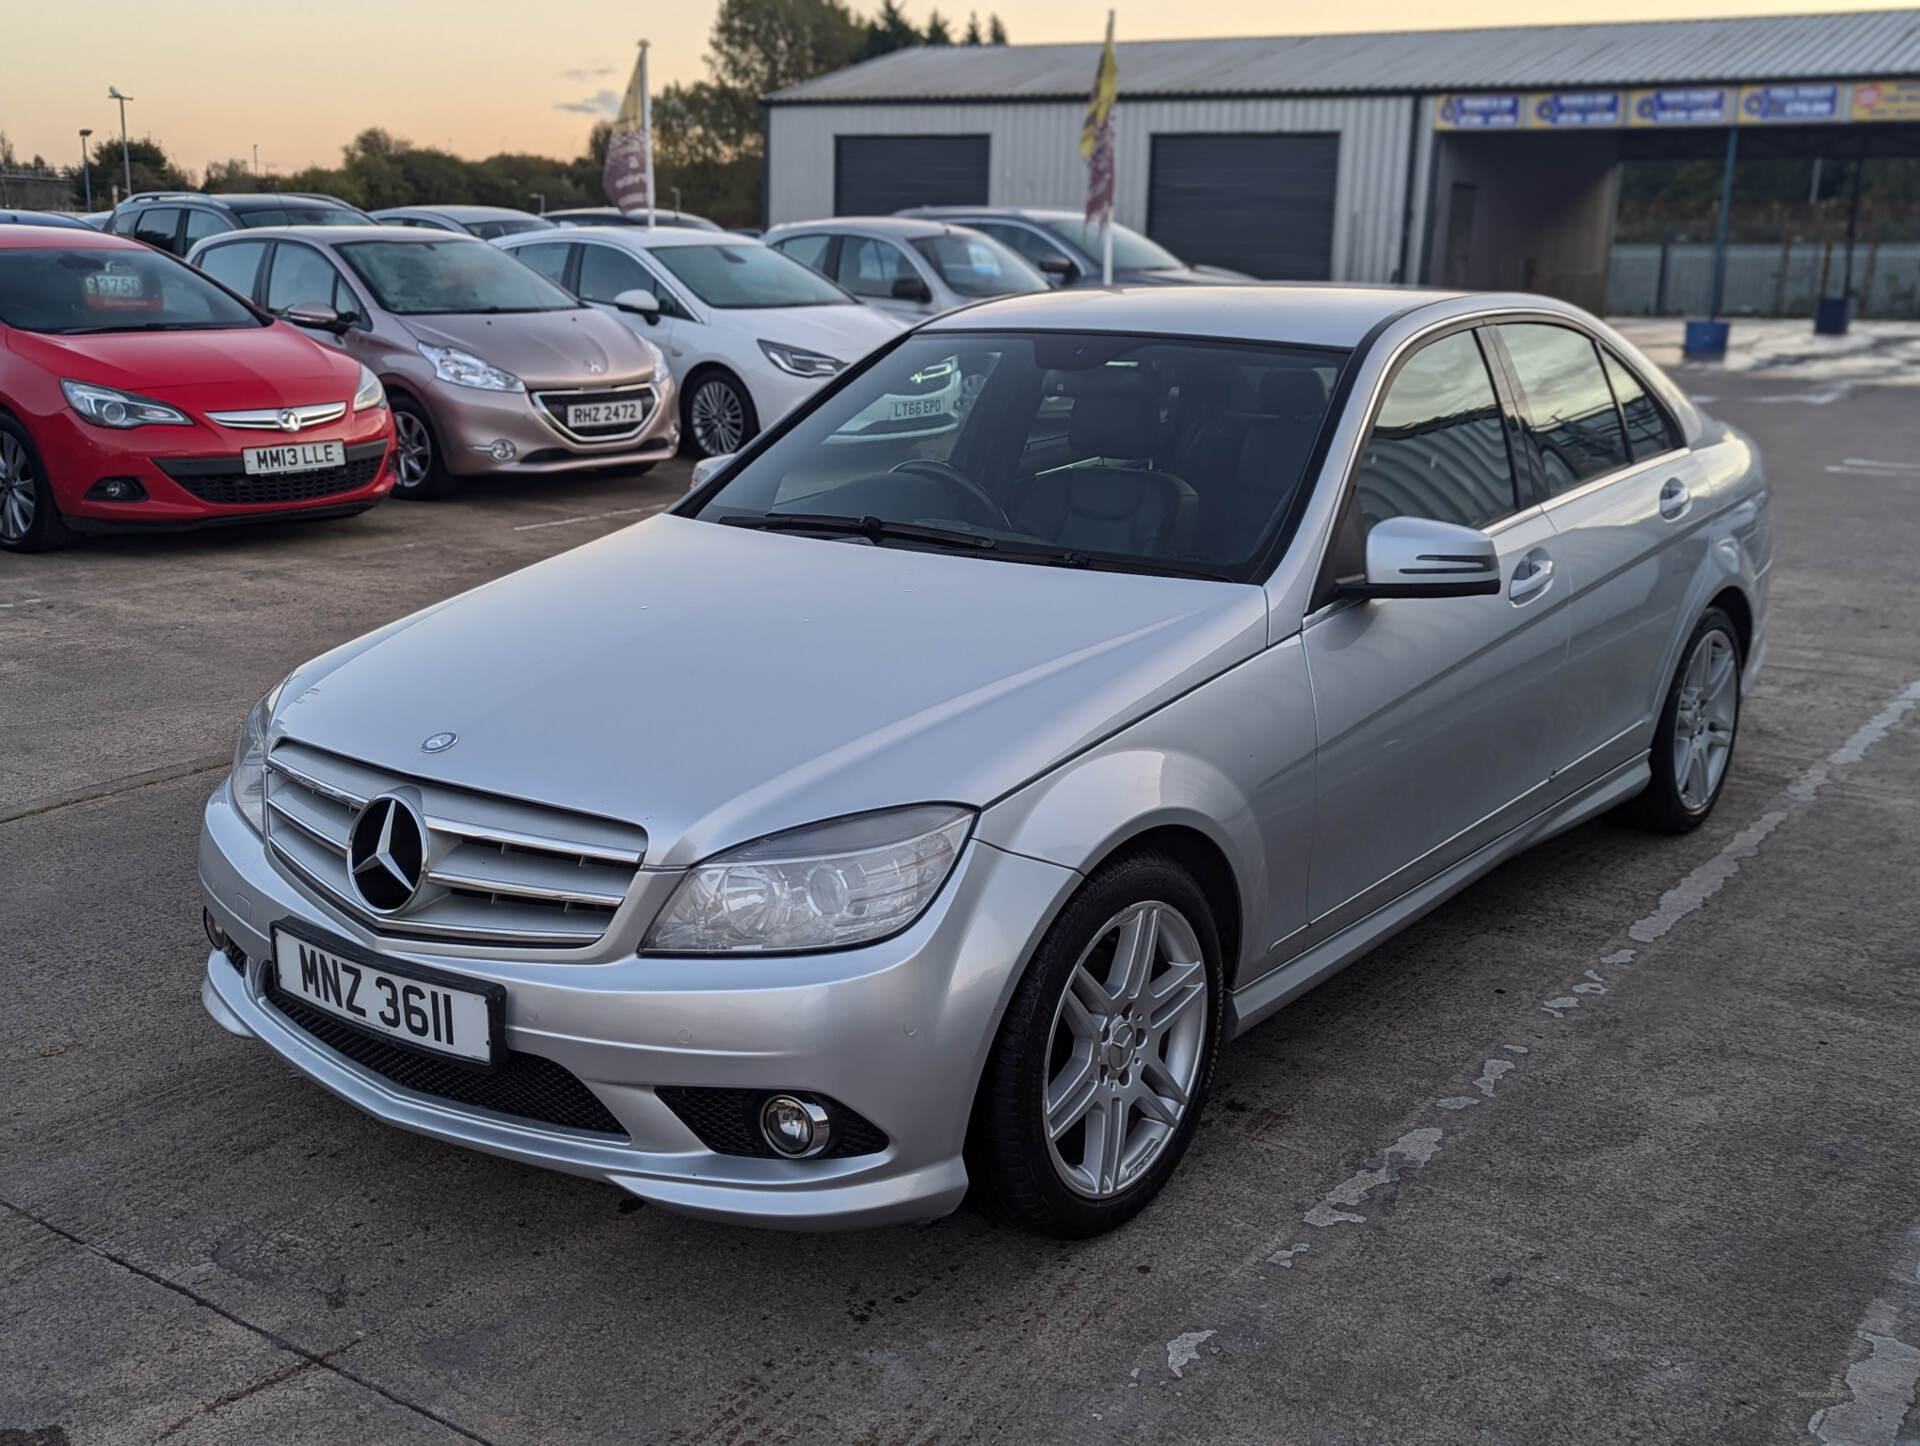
[[212, 78]]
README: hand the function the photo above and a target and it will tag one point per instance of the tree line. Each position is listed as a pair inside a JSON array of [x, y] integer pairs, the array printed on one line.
[[707, 133]]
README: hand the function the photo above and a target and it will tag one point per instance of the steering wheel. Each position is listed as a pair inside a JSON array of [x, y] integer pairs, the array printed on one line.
[[961, 483]]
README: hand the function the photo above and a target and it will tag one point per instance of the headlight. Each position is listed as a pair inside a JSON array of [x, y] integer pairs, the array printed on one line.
[[249, 779], [826, 886], [371, 393], [109, 407], [464, 369], [799, 362]]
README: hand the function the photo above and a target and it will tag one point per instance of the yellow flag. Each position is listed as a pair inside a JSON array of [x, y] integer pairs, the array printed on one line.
[[1106, 85]]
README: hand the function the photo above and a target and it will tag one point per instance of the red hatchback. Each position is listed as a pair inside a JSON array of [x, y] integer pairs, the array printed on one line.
[[137, 393]]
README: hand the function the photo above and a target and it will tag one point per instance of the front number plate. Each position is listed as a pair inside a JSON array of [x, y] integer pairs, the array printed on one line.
[[604, 414], [293, 457], [430, 1014]]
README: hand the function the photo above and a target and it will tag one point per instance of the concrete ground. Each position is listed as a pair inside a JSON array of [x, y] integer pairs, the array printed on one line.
[[1619, 1146]]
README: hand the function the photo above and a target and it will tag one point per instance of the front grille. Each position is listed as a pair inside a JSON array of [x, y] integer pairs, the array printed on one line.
[[224, 479], [553, 406], [728, 1122], [526, 1086], [497, 871]]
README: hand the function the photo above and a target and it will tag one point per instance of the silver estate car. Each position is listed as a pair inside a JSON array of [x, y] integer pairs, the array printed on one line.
[[900, 816]]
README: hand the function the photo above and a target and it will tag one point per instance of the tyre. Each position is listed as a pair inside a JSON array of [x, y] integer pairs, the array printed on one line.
[[30, 520], [1693, 741], [717, 414], [1096, 1079], [420, 474]]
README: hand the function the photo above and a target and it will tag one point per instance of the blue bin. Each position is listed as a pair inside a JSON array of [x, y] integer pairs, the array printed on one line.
[[1832, 315], [1705, 340]]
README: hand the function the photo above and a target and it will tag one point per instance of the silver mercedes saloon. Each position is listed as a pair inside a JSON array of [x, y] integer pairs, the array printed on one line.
[[919, 806]]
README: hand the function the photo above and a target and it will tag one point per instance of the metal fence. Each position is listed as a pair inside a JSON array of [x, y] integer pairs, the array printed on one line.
[[1770, 278]]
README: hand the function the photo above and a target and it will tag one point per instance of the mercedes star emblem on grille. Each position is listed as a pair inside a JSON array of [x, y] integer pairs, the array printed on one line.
[[387, 853], [439, 743]]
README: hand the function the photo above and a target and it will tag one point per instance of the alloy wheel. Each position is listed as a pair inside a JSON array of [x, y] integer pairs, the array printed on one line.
[[18, 490], [1703, 723], [415, 448], [1125, 1050], [719, 419]]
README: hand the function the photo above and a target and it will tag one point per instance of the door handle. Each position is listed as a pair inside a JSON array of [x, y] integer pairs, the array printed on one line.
[[1674, 499], [1531, 578]]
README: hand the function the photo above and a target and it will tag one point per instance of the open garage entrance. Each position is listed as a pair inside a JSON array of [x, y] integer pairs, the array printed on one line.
[[1526, 211], [1262, 204]]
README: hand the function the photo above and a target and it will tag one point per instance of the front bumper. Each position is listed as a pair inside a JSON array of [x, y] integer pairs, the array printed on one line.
[[897, 1031], [471, 422]]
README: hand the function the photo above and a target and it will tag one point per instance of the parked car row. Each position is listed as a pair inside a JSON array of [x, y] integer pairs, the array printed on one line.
[[498, 341]]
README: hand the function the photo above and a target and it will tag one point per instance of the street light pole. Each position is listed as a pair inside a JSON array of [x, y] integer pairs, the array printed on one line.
[[126, 160], [86, 167]]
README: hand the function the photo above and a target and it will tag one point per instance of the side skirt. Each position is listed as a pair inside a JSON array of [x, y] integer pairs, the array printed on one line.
[[1268, 993]]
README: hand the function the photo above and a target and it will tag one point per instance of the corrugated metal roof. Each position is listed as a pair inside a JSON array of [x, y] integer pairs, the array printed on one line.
[[1667, 52]]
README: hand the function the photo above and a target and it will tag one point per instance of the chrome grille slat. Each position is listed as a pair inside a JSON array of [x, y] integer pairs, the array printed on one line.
[[497, 871]]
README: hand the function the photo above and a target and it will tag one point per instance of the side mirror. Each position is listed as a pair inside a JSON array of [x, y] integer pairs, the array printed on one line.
[[1058, 269], [1418, 557], [316, 316], [640, 303], [707, 468], [911, 288]]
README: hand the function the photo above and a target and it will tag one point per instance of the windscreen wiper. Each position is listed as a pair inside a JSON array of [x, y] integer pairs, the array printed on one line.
[[875, 529]]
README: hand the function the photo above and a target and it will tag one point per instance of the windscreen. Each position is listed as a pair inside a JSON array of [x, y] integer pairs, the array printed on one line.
[[1085, 449], [1131, 250], [979, 265], [425, 278], [76, 292], [748, 276]]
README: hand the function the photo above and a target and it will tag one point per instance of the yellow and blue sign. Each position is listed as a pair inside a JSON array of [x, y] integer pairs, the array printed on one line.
[[1819, 102]]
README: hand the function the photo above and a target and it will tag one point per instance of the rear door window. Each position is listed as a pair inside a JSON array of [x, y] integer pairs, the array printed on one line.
[[236, 265], [870, 268], [301, 275], [549, 259], [1575, 424], [808, 250], [1438, 447], [1649, 430], [156, 226]]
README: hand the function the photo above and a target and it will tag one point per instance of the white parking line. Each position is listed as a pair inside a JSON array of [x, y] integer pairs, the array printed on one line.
[[1416, 1148], [1871, 469], [585, 517], [1880, 1385], [1890, 466]]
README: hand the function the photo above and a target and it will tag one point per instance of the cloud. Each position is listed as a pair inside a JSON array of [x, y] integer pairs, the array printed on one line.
[[600, 103], [581, 76]]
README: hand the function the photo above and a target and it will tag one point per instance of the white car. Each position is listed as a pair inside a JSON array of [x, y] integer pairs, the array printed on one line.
[[747, 332]]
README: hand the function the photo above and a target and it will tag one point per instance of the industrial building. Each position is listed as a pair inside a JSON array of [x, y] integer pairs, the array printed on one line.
[[1481, 158]]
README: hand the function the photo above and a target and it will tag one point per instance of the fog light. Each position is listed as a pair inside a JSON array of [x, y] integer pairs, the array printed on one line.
[[795, 1127], [216, 935], [500, 449], [117, 489]]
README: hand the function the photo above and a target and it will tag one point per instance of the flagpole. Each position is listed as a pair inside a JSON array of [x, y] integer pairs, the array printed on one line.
[[646, 126], [1106, 231]]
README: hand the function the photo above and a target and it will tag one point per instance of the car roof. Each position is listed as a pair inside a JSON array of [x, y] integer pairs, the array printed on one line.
[[459, 211], [69, 237], [48, 219], [904, 228], [1300, 313], [646, 237], [1018, 213], [375, 232], [236, 200]]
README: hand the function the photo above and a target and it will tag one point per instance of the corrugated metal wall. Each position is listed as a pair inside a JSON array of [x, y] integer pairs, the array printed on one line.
[[1036, 160]]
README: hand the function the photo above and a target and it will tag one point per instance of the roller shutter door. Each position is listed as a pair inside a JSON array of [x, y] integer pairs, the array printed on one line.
[[1262, 204], [878, 175]]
